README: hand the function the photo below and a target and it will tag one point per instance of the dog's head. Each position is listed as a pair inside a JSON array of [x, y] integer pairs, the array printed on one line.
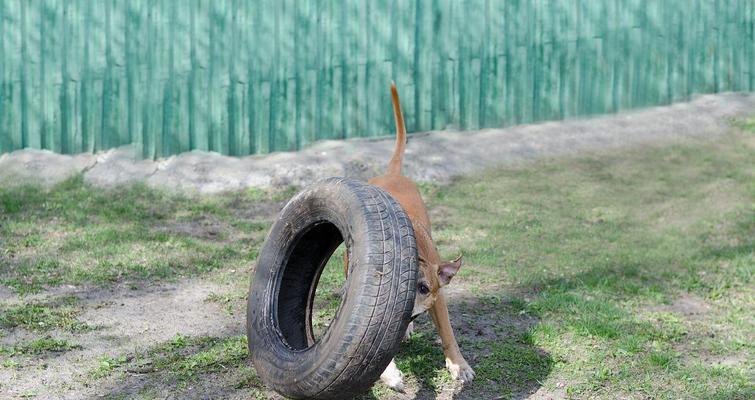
[[431, 277]]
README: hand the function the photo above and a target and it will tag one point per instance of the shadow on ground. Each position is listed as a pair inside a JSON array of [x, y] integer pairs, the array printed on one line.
[[493, 331], [185, 368]]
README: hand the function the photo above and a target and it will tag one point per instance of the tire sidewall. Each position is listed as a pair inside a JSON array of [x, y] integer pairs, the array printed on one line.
[[317, 370]]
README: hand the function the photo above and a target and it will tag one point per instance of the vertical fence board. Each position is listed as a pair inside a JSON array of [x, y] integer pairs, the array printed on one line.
[[248, 77]]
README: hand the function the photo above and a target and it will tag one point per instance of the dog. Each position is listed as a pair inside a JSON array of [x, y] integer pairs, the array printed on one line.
[[433, 273]]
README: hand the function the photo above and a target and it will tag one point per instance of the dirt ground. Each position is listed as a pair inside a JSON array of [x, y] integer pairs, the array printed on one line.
[[130, 319], [126, 317]]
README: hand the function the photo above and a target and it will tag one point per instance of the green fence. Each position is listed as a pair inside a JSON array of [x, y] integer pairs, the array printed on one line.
[[244, 77]]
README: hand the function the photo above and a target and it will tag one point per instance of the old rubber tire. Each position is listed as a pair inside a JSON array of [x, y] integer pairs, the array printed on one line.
[[377, 302]]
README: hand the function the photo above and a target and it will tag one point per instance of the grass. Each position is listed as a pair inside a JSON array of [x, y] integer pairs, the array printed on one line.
[[35, 316], [623, 274], [77, 234], [184, 361], [600, 243], [40, 346], [230, 302], [182, 357], [328, 293]]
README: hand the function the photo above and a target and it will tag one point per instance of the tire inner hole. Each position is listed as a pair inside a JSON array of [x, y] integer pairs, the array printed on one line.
[[328, 293], [312, 286]]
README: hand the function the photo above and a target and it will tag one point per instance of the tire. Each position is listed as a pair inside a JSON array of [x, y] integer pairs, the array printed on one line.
[[376, 305]]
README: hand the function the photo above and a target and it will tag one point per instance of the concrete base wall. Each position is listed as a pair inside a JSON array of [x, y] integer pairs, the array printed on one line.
[[431, 156]]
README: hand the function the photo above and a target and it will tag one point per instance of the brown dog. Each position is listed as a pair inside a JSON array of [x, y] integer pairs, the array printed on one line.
[[433, 273]]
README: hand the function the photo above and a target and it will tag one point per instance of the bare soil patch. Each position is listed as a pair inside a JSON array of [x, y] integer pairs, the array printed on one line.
[[126, 320]]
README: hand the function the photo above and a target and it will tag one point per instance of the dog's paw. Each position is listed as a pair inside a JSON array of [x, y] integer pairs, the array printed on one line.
[[409, 331], [460, 371], [393, 378]]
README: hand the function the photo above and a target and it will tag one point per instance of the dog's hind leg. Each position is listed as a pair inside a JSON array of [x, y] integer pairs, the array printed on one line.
[[409, 331], [393, 378]]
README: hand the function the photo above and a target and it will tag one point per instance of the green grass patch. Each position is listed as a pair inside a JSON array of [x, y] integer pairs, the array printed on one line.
[[509, 362], [747, 124], [625, 274], [328, 293], [421, 360], [40, 346], [604, 246], [184, 361], [182, 358], [74, 233], [231, 302], [44, 316], [107, 365]]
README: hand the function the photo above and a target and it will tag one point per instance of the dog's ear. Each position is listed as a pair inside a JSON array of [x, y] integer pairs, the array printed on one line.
[[448, 270]]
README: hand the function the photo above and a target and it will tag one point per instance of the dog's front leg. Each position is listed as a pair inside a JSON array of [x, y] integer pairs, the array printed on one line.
[[455, 362]]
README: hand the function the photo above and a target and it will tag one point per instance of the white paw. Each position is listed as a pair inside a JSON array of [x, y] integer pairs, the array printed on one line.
[[409, 331], [460, 371], [393, 378]]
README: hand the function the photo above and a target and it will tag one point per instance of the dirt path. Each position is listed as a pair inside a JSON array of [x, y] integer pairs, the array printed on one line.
[[436, 156], [126, 320]]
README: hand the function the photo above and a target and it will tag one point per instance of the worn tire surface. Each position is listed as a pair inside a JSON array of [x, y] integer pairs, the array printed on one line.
[[377, 302]]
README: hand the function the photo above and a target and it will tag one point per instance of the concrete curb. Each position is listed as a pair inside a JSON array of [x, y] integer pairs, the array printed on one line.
[[432, 156]]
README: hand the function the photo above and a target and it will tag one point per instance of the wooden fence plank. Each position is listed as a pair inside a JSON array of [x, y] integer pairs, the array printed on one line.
[[241, 77]]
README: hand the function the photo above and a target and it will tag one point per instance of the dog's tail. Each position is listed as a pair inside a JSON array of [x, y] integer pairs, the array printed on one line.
[[394, 167]]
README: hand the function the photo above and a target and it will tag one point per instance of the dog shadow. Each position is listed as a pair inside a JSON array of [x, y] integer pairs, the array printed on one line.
[[494, 334]]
